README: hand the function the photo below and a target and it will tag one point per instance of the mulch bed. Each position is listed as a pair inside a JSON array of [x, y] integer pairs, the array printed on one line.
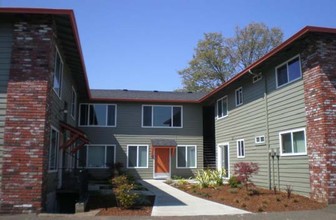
[[265, 201], [108, 206]]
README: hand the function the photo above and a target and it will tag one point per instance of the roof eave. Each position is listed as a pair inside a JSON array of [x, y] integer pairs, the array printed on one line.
[[276, 50], [142, 100]]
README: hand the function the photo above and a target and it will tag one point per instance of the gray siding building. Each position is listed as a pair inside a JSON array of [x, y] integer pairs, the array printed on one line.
[[280, 112]]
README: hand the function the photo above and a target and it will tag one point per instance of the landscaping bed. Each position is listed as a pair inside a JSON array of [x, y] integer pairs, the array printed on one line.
[[258, 200], [108, 206], [128, 198]]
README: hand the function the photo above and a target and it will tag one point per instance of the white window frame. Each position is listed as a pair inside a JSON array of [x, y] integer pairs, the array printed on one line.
[[171, 115], [291, 132], [59, 94], [137, 158], [227, 107], [257, 77], [239, 99], [88, 115], [105, 156], [239, 151], [73, 108], [258, 140], [186, 150], [286, 63], [55, 169]]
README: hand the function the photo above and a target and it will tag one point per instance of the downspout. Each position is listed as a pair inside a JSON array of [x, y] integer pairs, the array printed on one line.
[[267, 131]]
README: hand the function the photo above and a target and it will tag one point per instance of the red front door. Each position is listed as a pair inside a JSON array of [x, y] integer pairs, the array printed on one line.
[[162, 160]]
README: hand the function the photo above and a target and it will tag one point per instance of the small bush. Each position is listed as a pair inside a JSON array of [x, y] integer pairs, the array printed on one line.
[[233, 182], [295, 200], [123, 192], [289, 191], [253, 192], [278, 199], [243, 205], [209, 177], [260, 209], [244, 172], [182, 182]]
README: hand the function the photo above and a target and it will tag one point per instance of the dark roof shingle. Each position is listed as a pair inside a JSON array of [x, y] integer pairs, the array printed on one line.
[[134, 95]]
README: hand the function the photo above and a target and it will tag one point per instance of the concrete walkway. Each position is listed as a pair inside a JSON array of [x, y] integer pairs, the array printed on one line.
[[170, 201]]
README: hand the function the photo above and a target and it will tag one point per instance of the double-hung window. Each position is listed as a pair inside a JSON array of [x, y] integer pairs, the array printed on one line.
[[293, 142], [186, 156], [288, 72], [96, 156], [162, 116], [239, 96], [98, 115], [53, 149], [222, 107], [73, 104], [240, 148], [58, 72], [137, 156]]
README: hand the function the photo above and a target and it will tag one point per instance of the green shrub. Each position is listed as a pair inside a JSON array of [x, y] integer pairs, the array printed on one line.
[[204, 178], [209, 177], [123, 192], [233, 182]]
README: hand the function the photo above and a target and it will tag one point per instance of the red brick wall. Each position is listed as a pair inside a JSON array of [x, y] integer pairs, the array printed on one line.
[[26, 138], [319, 67]]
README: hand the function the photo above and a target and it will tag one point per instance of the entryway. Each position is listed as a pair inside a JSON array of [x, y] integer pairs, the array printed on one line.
[[223, 158], [162, 163]]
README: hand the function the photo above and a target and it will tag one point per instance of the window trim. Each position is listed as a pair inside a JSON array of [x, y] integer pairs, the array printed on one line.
[[238, 148], [286, 63], [61, 75], [186, 146], [137, 165], [171, 115], [291, 132], [56, 150], [87, 155], [227, 106], [259, 142], [88, 119], [236, 97], [73, 109]]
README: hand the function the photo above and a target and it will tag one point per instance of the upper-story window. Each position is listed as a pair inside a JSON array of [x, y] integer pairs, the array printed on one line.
[[288, 72], [162, 116], [58, 72], [98, 115], [222, 107], [239, 96], [73, 103]]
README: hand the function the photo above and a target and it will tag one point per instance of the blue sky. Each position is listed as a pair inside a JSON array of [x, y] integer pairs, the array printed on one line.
[[141, 45]]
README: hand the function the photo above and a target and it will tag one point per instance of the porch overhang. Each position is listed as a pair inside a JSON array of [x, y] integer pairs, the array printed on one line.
[[77, 137], [163, 143]]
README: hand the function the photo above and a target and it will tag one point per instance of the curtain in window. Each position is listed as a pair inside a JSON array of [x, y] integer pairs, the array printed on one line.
[[191, 154], [299, 142], [142, 156]]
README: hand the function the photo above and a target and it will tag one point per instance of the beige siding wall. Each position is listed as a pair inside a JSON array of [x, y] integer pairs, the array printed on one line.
[[281, 110], [5, 57], [129, 131]]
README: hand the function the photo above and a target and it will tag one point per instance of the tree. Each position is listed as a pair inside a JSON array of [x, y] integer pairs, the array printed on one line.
[[217, 58], [210, 66], [244, 172], [252, 42]]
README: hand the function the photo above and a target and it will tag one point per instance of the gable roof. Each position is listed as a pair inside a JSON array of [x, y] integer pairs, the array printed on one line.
[[145, 96]]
